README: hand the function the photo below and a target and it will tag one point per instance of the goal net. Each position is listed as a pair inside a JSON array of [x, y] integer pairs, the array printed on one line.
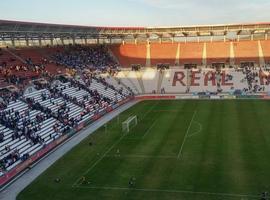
[[129, 123]]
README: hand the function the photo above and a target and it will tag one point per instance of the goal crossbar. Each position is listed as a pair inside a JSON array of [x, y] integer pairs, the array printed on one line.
[[129, 123]]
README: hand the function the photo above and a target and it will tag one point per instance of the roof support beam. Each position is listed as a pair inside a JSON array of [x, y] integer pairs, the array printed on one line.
[[27, 41], [39, 41]]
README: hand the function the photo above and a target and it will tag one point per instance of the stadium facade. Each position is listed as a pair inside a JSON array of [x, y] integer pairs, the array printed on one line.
[[211, 61], [17, 33]]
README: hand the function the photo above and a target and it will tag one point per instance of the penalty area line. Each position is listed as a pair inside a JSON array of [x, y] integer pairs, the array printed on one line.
[[186, 134], [103, 156], [149, 110], [196, 132], [153, 124], [169, 191]]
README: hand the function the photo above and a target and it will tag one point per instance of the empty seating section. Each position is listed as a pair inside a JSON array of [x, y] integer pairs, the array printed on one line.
[[246, 51], [167, 82], [125, 78], [218, 52], [9, 59], [163, 53], [33, 54], [150, 80], [191, 53], [116, 83], [130, 79], [266, 50], [200, 75], [129, 54]]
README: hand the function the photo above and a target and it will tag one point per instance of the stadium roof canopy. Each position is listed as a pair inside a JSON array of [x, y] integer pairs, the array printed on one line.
[[29, 30]]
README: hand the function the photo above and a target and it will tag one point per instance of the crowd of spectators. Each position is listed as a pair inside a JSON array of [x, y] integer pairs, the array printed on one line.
[[85, 57], [252, 79], [92, 101], [19, 71], [6, 96], [25, 125], [10, 159]]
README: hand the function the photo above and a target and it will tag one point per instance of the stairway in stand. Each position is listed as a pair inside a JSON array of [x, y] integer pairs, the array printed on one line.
[[160, 80], [139, 77]]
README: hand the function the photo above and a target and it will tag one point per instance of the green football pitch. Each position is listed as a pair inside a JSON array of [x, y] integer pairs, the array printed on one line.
[[194, 149]]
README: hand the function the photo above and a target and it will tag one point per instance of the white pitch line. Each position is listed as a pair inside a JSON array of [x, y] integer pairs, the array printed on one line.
[[170, 191], [88, 170], [92, 166], [149, 110], [141, 156], [153, 124], [196, 132], [184, 140]]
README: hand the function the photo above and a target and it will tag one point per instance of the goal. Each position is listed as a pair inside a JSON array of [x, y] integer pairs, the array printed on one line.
[[129, 123]]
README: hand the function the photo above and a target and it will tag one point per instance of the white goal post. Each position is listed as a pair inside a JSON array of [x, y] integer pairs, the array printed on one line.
[[129, 123]]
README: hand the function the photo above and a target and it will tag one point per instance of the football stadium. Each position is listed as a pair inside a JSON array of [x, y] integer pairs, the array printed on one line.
[[131, 112]]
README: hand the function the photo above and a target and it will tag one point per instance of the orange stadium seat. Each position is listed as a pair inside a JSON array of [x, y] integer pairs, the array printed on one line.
[[9, 58], [34, 54], [246, 51], [266, 50], [129, 54], [191, 53], [163, 53], [37, 54], [218, 52]]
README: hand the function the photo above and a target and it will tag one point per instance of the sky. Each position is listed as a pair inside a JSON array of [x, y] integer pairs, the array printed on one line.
[[139, 13]]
